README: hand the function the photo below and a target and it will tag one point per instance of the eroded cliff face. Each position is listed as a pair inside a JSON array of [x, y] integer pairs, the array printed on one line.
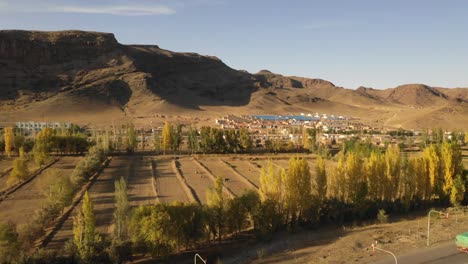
[[54, 70], [34, 48]]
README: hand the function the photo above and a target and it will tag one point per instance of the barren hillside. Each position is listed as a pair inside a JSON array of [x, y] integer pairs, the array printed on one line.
[[88, 77]]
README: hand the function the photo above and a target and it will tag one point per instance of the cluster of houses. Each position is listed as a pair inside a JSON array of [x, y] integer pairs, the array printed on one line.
[[324, 122]]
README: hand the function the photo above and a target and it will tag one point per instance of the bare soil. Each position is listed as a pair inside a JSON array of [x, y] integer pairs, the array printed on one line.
[[245, 168], [140, 188], [168, 187], [21, 205], [231, 180], [353, 244], [196, 178]]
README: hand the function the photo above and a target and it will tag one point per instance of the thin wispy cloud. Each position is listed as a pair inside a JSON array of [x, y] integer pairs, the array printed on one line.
[[116, 10], [131, 8]]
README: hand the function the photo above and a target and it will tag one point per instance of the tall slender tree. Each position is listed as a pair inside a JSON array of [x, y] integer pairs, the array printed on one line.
[[9, 136], [131, 138], [216, 203], [85, 236], [167, 136], [297, 189], [121, 210]]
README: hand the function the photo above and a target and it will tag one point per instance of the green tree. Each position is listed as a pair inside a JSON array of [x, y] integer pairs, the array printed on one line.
[[309, 139], [9, 244], [217, 203], [246, 141], [438, 135], [151, 227], [320, 185], [42, 146], [458, 191], [121, 210], [131, 138], [192, 136], [232, 140], [58, 190], [176, 138], [85, 237], [157, 144]]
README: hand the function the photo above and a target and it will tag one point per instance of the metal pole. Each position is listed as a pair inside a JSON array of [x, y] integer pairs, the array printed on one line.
[[195, 259], [429, 223], [374, 247]]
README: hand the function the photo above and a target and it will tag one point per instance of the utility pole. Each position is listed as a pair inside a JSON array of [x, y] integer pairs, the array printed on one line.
[[429, 222]]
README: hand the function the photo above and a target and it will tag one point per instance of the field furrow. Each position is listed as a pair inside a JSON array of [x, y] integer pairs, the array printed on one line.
[[230, 179], [196, 178], [168, 186], [140, 187], [102, 194], [245, 168]]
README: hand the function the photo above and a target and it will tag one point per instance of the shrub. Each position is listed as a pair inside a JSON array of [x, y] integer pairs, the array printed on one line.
[[382, 217]]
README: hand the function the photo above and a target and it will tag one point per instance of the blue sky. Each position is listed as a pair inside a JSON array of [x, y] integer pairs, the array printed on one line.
[[373, 43]]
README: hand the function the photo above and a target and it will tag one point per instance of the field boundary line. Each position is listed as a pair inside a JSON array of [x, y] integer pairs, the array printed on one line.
[[44, 240], [213, 178], [254, 165], [4, 194], [5, 173], [243, 178], [189, 191], [153, 179]]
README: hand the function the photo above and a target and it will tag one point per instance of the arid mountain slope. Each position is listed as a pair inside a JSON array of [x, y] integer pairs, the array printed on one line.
[[88, 77]]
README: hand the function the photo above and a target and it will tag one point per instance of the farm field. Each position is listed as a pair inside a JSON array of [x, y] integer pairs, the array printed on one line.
[[21, 205], [140, 187], [232, 181], [168, 187], [196, 178], [246, 168], [7, 164], [137, 172]]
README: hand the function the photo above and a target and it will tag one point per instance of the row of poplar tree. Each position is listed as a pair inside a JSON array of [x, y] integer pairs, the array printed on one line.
[[354, 187], [162, 229]]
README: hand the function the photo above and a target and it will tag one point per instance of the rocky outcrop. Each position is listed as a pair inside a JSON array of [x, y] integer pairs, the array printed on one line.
[[46, 68], [35, 48]]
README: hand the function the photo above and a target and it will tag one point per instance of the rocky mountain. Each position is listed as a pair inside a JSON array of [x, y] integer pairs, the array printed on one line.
[[89, 77]]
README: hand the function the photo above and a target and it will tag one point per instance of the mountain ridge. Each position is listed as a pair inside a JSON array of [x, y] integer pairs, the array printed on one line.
[[64, 67]]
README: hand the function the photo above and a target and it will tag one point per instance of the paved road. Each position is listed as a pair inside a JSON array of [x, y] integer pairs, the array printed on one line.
[[445, 253]]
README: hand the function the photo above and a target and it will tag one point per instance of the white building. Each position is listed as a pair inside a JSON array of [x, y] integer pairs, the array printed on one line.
[[38, 126]]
